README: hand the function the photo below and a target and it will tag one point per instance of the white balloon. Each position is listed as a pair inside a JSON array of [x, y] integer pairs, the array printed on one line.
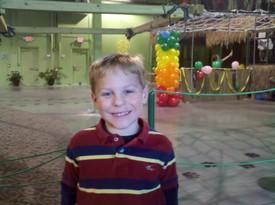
[[235, 65], [206, 69]]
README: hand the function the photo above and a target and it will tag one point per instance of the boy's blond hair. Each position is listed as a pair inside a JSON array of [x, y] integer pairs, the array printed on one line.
[[123, 61]]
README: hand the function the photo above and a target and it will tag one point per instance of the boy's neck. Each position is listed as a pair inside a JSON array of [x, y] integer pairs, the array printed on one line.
[[122, 135]]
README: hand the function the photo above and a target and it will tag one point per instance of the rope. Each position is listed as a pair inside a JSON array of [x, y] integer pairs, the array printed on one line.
[[31, 168], [225, 164], [31, 156]]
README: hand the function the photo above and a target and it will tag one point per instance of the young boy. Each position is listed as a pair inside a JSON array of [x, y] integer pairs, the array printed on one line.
[[120, 161]]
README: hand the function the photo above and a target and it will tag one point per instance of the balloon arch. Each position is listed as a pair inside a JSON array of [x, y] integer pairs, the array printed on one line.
[[231, 27]]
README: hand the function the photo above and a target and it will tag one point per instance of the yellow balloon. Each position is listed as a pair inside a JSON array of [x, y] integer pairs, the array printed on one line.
[[166, 58], [241, 67], [158, 47], [173, 52]]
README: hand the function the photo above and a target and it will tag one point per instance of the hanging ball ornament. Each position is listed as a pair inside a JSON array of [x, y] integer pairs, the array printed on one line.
[[235, 65], [216, 64], [198, 65], [206, 69], [199, 75]]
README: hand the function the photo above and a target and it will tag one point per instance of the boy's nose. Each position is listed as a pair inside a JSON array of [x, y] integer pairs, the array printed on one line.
[[118, 100]]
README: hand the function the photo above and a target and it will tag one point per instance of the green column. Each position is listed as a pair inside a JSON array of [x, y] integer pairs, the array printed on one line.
[[97, 38], [151, 109]]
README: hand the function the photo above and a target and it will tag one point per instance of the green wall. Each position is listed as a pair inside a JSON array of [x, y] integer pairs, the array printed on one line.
[[63, 50]]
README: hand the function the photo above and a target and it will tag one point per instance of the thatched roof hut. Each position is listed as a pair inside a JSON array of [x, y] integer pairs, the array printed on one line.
[[224, 28]]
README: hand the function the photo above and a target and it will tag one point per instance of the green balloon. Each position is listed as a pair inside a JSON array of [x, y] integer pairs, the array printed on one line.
[[198, 65], [161, 40], [171, 41], [165, 47], [176, 46], [216, 64], [237, 86], [176, 34]]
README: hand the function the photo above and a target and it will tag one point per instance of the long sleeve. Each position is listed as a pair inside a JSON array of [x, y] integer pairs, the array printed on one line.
[[68, 195], [69, 179], [169, 179], [171, 196]]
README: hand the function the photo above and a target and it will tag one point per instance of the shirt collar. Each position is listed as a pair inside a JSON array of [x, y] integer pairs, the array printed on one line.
[[105, 136]]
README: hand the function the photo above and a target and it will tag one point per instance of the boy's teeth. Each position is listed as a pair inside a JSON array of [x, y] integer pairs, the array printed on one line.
[[121, 114]]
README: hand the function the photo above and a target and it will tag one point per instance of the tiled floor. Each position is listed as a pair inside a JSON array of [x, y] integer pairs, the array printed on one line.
[[224, 149]]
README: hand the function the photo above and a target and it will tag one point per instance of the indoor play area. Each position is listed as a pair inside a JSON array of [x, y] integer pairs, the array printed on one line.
[[218, 113]]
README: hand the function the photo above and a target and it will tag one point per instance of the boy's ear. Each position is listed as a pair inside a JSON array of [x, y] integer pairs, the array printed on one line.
[[93, 97], [145, 94]]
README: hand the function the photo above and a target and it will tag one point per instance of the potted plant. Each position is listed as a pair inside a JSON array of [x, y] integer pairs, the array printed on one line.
[[15, 77], [51, 75]]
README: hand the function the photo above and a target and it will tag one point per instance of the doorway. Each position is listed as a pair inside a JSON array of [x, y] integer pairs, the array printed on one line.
[[80, 63], [29, 64]]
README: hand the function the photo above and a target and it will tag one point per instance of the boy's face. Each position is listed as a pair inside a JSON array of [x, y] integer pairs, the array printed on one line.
[[120, 97]]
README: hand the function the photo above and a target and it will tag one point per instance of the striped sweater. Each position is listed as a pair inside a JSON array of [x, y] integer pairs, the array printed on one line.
[[101, 169]]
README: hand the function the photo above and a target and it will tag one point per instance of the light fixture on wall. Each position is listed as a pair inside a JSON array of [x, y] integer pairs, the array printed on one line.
[[80, 39], [28, 38]]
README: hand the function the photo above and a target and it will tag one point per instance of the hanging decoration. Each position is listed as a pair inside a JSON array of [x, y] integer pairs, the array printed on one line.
[[225, 78], [167, 70], [123, 45]]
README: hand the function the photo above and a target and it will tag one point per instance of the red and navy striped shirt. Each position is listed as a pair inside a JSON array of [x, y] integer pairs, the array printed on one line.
[[102, 169]]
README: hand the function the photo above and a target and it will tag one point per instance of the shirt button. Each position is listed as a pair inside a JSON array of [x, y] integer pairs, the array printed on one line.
[[121, 150], [116, 139]]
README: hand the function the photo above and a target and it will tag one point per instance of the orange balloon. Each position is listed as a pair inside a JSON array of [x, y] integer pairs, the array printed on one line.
[[176, 83], [157, 70], [163, 71], [170, 89]]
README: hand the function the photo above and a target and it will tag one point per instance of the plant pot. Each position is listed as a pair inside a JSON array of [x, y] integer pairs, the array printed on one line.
[[50, 82], [16, 82]]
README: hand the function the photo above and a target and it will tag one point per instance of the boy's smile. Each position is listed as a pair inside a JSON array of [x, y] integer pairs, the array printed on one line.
[[120, 97]]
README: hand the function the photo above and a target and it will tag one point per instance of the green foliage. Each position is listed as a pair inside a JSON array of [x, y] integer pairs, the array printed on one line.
[[52, 74], [14, 76]]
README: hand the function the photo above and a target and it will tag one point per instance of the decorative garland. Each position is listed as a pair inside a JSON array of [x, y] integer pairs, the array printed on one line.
[[220, 83], [233, 90], [186, 83]]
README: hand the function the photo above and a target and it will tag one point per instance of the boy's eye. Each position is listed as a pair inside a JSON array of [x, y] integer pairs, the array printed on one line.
[[129, 91], [106, 94]]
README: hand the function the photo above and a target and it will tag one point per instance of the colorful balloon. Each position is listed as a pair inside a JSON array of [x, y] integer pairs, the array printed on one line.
[[167, 69], [165, 34], [161, 103], [235, 65], [165, 46], [173, 102], [216, 64], [206, 69], [198, 65], [199, 75]]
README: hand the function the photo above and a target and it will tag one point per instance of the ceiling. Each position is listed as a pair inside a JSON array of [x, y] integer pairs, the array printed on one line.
[[154, 2], [146, 2]]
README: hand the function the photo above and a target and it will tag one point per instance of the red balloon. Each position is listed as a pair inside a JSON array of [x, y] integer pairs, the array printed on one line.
[[199, 75], [178, 96], [173, 102], [160, 88], [161, 103], [163, 97]]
